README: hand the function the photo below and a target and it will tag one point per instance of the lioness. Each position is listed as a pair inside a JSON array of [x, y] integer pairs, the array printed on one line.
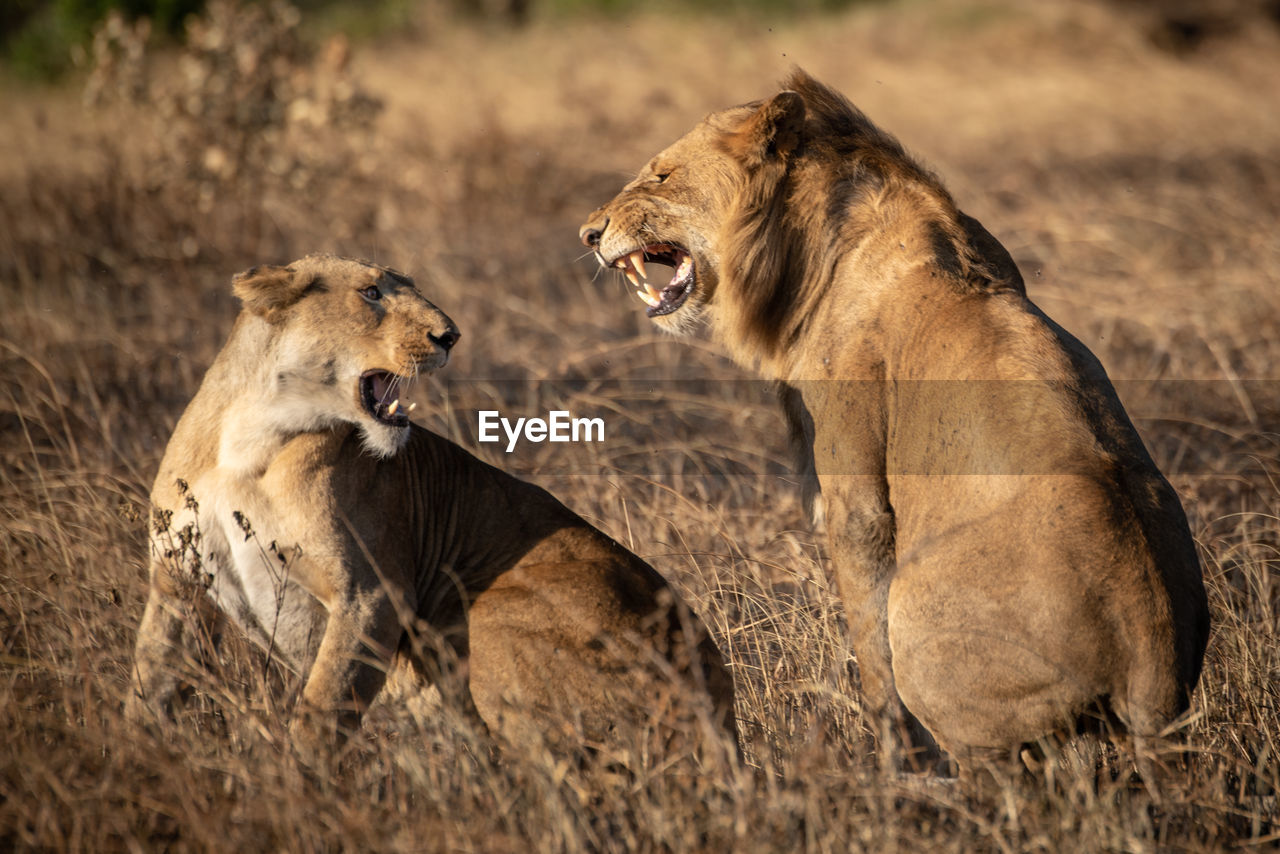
[[1008, 555], [327, 525]]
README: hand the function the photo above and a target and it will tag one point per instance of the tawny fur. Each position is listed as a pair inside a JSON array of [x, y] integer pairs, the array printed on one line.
[[379, 548], [1008, 554]]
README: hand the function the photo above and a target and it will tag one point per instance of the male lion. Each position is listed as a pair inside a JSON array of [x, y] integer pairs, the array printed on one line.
[[1008, 555], [328, 527]]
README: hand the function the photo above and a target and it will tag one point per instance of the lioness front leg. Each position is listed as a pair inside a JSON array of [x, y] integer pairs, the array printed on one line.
[[166, 636], [350, 668]]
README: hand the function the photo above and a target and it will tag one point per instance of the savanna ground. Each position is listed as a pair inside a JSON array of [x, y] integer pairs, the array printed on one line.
[[1135, 179]]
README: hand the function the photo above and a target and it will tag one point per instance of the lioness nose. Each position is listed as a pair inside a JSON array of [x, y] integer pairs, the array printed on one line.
[[445, 340], [591, 235]]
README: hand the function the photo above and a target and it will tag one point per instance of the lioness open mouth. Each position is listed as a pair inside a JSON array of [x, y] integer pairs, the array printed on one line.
[[676, 291], [379, 395]]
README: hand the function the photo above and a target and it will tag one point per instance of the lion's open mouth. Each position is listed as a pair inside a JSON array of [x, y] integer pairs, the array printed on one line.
[[380, 397], [675, 292]]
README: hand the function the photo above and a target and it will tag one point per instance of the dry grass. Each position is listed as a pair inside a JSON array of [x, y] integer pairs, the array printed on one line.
[[1139, 190]]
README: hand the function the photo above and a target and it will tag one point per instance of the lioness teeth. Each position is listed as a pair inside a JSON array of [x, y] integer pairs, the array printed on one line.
[[648, 297], [412, 406], [395, 404], [631, 276], [653, 295]]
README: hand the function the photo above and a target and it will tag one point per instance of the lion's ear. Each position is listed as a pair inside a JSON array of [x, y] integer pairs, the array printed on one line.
[[268, 290], [773, 132], [993, 261]]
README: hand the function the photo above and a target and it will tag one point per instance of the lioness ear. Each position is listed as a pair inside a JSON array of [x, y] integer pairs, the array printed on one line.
[[773, 132], [268, 290]]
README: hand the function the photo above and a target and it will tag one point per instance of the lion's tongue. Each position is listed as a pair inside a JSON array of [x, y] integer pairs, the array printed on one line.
[[682, 272], [635, 270]]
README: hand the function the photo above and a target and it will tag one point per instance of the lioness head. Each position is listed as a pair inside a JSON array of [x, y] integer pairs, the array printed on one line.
[[341, 337]]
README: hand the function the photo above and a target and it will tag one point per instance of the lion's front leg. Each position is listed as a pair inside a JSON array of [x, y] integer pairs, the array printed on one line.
[[861, 531], [350, 667]]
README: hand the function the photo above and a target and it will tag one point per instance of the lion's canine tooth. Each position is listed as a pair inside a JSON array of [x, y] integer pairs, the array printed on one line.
[[412, 406], [631, 276], [395, 404], [648, 299], [654, 296], [637, 263]]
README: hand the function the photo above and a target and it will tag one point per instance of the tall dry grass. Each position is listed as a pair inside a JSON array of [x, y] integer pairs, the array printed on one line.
[[1139, 191]]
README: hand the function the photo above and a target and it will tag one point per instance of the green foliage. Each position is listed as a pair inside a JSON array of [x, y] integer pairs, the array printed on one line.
[[759, 6], [38, 37], [358, 21]]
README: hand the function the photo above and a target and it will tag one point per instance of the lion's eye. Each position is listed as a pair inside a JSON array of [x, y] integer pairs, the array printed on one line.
[[659, 177], [371, 293]]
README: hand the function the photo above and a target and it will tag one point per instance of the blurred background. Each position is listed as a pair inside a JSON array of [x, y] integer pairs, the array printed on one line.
[[1126, 152]]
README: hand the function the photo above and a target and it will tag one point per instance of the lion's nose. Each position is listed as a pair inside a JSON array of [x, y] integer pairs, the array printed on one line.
[[445, 340], [591, 235]]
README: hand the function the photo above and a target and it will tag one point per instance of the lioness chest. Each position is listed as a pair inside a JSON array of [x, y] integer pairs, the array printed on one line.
[[257, 555]]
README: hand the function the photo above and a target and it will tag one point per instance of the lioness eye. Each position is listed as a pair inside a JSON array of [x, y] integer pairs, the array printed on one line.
[[371, 293], [661, 176]]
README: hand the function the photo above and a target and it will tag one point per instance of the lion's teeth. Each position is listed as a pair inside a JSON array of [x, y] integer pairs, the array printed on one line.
[[648, 299], [686, 263], [654, 296], [631, 276], [395, 404], [412, 406], [637, 263]]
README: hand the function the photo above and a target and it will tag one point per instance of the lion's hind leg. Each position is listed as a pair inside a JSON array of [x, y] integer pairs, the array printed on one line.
[[1153, 702]]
